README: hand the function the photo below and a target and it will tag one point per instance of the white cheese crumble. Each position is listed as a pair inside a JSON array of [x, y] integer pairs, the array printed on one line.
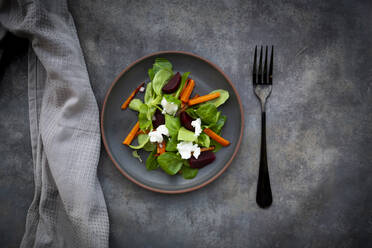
[[157, 135], [163, 130], [197, 125], [169, 107], [186, 148], [142, 89]]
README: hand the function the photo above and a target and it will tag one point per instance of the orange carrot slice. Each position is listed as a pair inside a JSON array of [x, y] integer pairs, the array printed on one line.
[[216, 137], [184, 87], [196, 96], [132, 95], [131, 134], [188, 90], [204, 149], [140, 132], [204, 98], [161, 148]]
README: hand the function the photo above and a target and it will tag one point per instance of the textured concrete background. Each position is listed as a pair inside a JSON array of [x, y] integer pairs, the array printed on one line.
[[319, 123]]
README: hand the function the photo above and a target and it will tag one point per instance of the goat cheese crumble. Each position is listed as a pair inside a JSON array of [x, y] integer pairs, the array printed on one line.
[[169, 107], [197, 125], [157, 135], [186, 148]]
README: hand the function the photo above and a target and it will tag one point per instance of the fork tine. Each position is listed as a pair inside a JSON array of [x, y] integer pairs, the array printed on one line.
[[265, 69], [271, 66], [260, 69], [254, 72]]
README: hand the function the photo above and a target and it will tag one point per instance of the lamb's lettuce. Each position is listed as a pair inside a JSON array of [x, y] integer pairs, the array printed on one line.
[[186, 135], [145, 117], [151, 162], [160, 63], [149, 94], [188, 172], [172, 99], [160, 79], [173, 124], [204, 140], [224, 95], [192, 113], [143, 139], [217, 127], [170, 162], [208, 113], [136, 155], [171, 145], [217, 146], [135, 104]]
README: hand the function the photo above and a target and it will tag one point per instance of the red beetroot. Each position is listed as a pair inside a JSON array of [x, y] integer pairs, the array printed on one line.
[[204, 158], [186, 121], [158, 119], [172, 84]]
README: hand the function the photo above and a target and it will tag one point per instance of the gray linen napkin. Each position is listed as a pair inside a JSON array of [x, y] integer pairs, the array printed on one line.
[[68, 209]]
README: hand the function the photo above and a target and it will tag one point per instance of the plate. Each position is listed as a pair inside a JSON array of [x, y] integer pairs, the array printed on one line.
[[116, 123]]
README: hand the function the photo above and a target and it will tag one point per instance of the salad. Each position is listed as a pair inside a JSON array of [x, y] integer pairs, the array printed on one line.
[[182, 133]]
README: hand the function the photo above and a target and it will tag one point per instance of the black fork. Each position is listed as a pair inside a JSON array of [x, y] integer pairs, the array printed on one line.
[[262, 84]]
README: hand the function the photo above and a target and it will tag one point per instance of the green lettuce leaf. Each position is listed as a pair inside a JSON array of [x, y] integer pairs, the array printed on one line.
[[143, 117], [204, 140], [160, 79], [135, 154], [217, 127], [170, 162], [172, 99], [161, 64], [217, 146], [188, 172], [151, 162], [192, 113], [186, 135], [183, 81], [173, 124], [149, 94], [151, 74], [224, 95], [149, 146], [135, 104], [143, 139], [171, 145], [208, 113]]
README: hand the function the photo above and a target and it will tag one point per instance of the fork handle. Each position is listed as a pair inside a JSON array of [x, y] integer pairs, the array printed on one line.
[[264, 197]]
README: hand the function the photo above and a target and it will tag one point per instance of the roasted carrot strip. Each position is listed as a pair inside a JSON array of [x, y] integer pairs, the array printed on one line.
[[130, 98], [216, 137], [183, 108], [184, 105], [188, 90], [131, 134], [140, 132], [204, 149], [204, 98], [161, 148], [184, 87], [196, 96]]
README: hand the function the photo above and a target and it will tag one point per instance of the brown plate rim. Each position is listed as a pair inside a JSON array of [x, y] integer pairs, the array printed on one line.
[[187, 189]]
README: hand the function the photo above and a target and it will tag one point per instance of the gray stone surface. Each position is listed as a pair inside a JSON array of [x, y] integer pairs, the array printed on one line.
[[319, 123]]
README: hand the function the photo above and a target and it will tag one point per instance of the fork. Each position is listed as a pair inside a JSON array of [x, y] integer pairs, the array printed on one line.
[[262, 84]]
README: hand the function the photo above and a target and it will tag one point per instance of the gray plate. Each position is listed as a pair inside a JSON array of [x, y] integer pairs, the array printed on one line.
[[116, 123]]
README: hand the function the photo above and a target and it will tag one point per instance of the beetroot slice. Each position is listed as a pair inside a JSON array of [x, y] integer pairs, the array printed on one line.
[[186, 121], [172, 84], [158, 119], [204, 158]]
